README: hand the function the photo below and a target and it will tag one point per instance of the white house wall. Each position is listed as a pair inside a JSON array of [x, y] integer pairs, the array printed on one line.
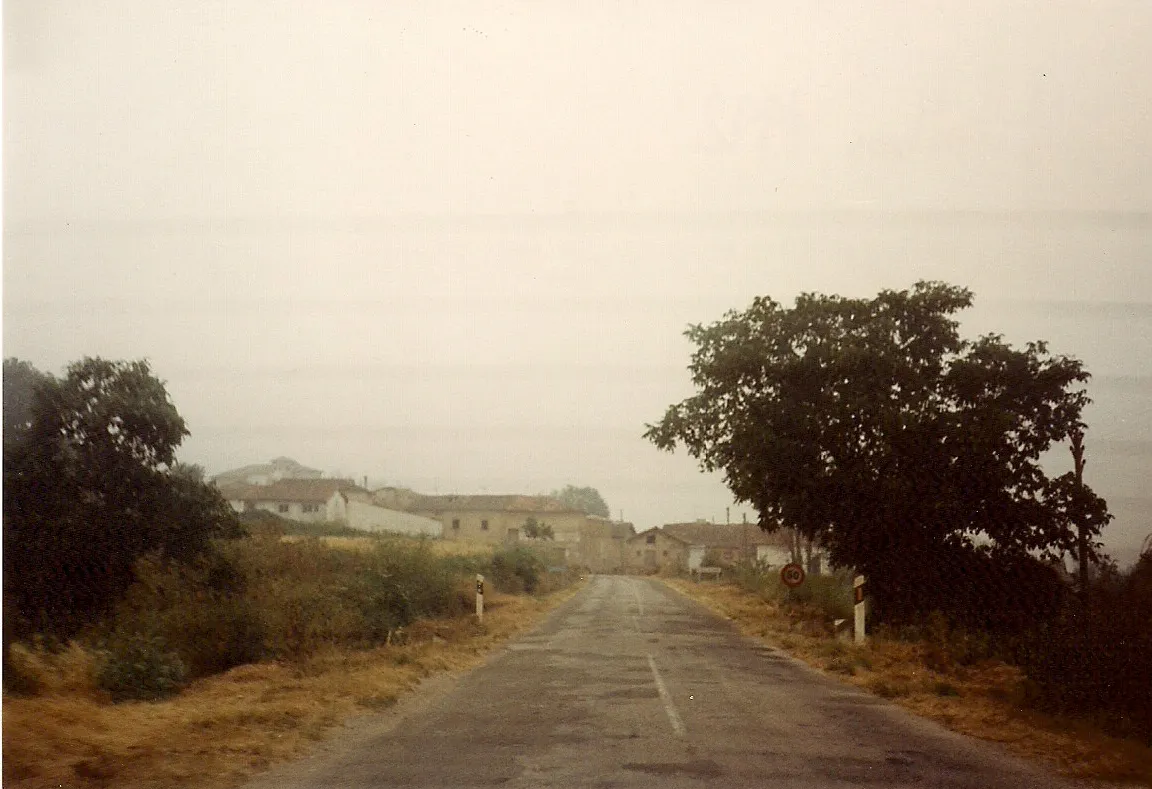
[[337, 508], [696, 556], [772, 555], [369, 517], [294, 510]]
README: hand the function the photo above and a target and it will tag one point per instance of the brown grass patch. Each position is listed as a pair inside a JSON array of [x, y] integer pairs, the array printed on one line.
[[461, 548], [983, 700], [224, 729]]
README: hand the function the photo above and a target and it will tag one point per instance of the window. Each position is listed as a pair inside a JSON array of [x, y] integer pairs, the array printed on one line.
[[665, 553], [484, 525], [456, 524], [282, 508], [651, 539], [638, 552], [311, 507]]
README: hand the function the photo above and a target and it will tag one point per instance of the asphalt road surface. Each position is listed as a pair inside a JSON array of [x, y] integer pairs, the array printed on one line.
[[629, 684]]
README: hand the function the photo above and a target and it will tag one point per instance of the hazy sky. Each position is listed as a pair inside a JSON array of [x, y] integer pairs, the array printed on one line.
[[454, 245]]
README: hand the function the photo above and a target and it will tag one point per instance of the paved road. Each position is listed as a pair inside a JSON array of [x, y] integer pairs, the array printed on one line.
[[629, 684]]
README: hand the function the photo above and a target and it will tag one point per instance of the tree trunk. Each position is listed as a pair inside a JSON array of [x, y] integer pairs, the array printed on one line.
[[1082, 541]]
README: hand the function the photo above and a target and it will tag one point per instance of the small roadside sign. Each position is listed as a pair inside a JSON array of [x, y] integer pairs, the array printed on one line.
[[792, 575]]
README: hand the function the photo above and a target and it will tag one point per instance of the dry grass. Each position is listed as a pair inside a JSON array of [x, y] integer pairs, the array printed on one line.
[[226, 728], [462, 548], [369, 542], [982, 700]]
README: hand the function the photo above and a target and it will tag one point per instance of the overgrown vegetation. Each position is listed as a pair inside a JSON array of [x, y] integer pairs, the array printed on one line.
[[826, 597], [270, 598], [1096, 656], [956, 676], [263, 519], [222, 729], [1092, 660], [91, 485]]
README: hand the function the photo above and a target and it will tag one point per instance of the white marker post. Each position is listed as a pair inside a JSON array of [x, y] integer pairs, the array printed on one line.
[[480, 597], [858, 589]]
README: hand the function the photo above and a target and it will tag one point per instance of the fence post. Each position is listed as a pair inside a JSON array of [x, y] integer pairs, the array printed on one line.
[[859, 609], [479, 597]]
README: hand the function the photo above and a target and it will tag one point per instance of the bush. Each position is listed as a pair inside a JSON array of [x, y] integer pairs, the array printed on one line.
[[139, 666], [1098, 658], [402, 584], [200, 610], [827, 596], [516, 570], [975, 590], [263, 597]]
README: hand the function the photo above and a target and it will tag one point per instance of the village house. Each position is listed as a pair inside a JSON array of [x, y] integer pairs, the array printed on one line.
[[732, 543], [305, 500], [686, 547], [496, 518], [359, 510], [655, 551], [602, 544], [579, 540], [328, 501]]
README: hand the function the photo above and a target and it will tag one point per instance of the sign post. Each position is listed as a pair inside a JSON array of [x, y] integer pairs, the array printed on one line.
[[480, 597], [859, 608]]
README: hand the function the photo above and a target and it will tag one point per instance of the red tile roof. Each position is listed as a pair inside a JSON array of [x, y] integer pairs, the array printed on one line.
[[304, 491], [657, 529], [489, 503], [725, 535]]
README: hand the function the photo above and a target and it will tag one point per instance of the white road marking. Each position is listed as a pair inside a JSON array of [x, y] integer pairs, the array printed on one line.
[[639, 604], [666, 697]]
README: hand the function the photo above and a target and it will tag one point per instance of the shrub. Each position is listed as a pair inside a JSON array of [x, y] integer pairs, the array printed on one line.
[[139, 666], [199, 610], [974, 589], [516, 569], [1098, 658], [402, 584]]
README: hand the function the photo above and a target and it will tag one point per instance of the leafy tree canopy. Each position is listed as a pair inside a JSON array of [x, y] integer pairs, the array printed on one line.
[[92, 486], [587, 500], [537, 530], [21, 380], [871, 425]]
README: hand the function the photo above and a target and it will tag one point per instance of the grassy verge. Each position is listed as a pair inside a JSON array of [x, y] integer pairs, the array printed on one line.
[[983, 698], [225, 728]]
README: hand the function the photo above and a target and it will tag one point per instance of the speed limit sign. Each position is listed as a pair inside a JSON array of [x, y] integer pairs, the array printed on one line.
[[792, 575]]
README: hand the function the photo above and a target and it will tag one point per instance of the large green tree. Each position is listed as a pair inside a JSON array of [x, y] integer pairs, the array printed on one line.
[[872, 426], [92, 486], [21, 380], [587, 500]]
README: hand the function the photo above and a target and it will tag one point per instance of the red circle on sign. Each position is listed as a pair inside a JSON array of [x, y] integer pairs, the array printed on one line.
[[792, 575]]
